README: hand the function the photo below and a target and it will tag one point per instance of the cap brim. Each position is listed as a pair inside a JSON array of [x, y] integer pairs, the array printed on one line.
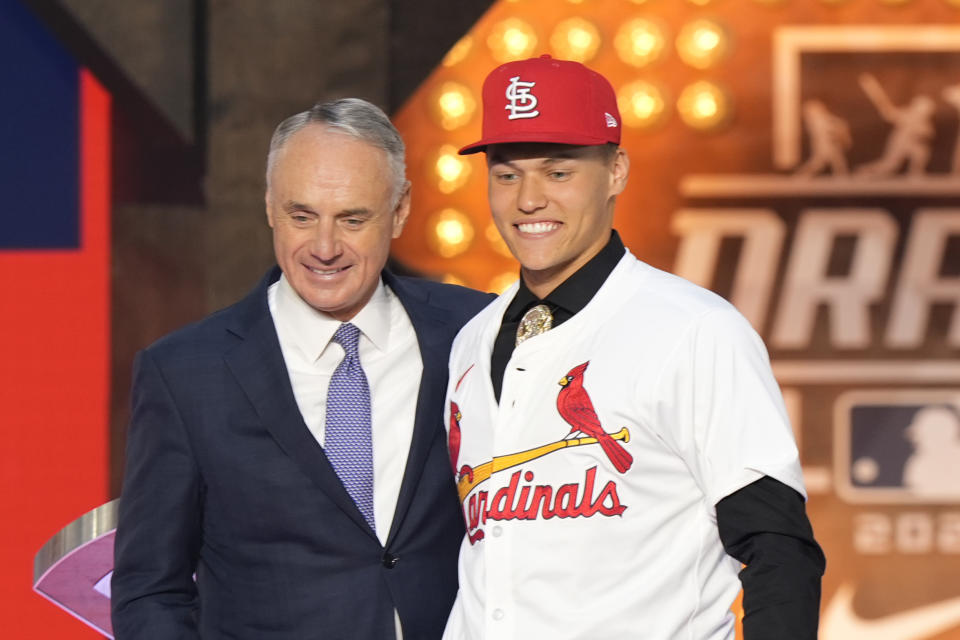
[[542, 136]]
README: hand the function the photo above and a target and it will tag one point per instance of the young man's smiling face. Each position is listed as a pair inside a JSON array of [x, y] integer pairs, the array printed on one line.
[[553, 204]]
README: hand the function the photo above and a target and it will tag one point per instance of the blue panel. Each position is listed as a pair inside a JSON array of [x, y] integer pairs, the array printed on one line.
[[39, 135]]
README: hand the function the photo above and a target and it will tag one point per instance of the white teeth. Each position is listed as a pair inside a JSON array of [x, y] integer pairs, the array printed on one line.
[[537, 227], [325, 272]]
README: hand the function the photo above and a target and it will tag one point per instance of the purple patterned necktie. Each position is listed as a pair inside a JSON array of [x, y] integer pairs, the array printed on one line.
[[348, 438]]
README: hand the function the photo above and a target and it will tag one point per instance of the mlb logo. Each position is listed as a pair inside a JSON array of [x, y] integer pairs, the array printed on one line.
[[898, 446]]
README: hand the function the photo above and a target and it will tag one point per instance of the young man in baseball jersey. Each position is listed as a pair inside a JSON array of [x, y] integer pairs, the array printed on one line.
[[620, 444]]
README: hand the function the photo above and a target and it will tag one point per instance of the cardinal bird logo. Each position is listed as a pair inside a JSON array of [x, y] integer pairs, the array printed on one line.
[[574, 405], [453, 440]]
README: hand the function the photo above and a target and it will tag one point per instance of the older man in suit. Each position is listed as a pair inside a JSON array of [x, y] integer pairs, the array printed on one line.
[[287, 475]]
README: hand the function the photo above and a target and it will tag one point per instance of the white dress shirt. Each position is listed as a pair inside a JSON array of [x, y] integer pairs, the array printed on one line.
[[390, 357]]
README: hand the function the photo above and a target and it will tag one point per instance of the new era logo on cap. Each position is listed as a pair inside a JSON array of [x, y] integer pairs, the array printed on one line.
[[547, 100]]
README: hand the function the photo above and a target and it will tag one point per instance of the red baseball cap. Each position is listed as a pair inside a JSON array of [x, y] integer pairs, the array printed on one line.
[[547, 100]]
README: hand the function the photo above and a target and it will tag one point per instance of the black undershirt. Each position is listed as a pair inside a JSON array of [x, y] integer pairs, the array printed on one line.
[[764, 525]]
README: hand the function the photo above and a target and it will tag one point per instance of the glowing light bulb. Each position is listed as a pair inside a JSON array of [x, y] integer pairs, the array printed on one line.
[[453, 105], [702, 43], [703, 106], [639, 42], [511, 39], [450, 169], [706, 39], [641, 104], [575, 39], [451, 232]]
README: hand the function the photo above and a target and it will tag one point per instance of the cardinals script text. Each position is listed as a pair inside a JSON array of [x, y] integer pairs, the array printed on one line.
[[529, 501]]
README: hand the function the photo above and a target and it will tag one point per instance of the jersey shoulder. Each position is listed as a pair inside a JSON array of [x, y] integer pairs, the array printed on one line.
[[675, 294], [669, 305]]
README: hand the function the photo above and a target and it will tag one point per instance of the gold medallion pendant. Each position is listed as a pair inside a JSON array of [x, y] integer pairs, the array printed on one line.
[[534, 322]]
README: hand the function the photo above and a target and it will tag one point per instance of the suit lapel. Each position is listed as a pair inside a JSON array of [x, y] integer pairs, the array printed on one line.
[[434, 337], [257, 364]]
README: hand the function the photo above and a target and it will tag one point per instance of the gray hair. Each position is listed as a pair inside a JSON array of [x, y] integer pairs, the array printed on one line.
[[353, 117]]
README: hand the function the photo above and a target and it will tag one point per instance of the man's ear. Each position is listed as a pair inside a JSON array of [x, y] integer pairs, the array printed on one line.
[[402, 211], [268, 208], [619, 171]]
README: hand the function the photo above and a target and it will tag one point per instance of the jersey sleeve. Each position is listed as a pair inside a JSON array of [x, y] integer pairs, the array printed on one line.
[[721, 408]]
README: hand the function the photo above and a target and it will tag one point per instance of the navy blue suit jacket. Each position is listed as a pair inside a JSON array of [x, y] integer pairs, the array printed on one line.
[[224, 479]]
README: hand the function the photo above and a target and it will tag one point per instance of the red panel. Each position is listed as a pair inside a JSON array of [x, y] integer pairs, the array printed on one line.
[[54, 385]]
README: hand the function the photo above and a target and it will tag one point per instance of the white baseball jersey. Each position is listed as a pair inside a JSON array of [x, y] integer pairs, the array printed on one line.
[[589, 493]]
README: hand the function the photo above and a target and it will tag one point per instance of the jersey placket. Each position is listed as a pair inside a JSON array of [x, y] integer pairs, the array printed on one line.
[[501, 609]]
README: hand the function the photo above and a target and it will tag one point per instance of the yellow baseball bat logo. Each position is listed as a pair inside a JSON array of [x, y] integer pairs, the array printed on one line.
[[470, 478]]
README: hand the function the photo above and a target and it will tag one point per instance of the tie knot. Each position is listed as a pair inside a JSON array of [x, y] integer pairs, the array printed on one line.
[[348, 337]]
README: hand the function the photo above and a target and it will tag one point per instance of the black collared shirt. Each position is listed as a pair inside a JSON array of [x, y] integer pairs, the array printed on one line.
[[564, 302], [764, 525]]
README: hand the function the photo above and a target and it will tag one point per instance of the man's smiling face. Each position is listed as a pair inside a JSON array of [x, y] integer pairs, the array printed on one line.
[[330, 203], [553, 205]]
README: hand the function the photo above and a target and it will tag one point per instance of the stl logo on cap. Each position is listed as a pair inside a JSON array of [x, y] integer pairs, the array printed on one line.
[[522, 104]]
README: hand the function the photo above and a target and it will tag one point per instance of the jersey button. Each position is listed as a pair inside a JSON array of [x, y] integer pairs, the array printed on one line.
[[389, 560], [497, 531], [498, 614]]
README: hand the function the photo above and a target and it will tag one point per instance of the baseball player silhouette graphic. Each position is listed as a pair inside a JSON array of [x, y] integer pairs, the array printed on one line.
[[909, 140], [829, 139]]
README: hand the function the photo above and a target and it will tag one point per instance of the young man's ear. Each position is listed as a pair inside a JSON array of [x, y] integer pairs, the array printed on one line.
[[619, 171]]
